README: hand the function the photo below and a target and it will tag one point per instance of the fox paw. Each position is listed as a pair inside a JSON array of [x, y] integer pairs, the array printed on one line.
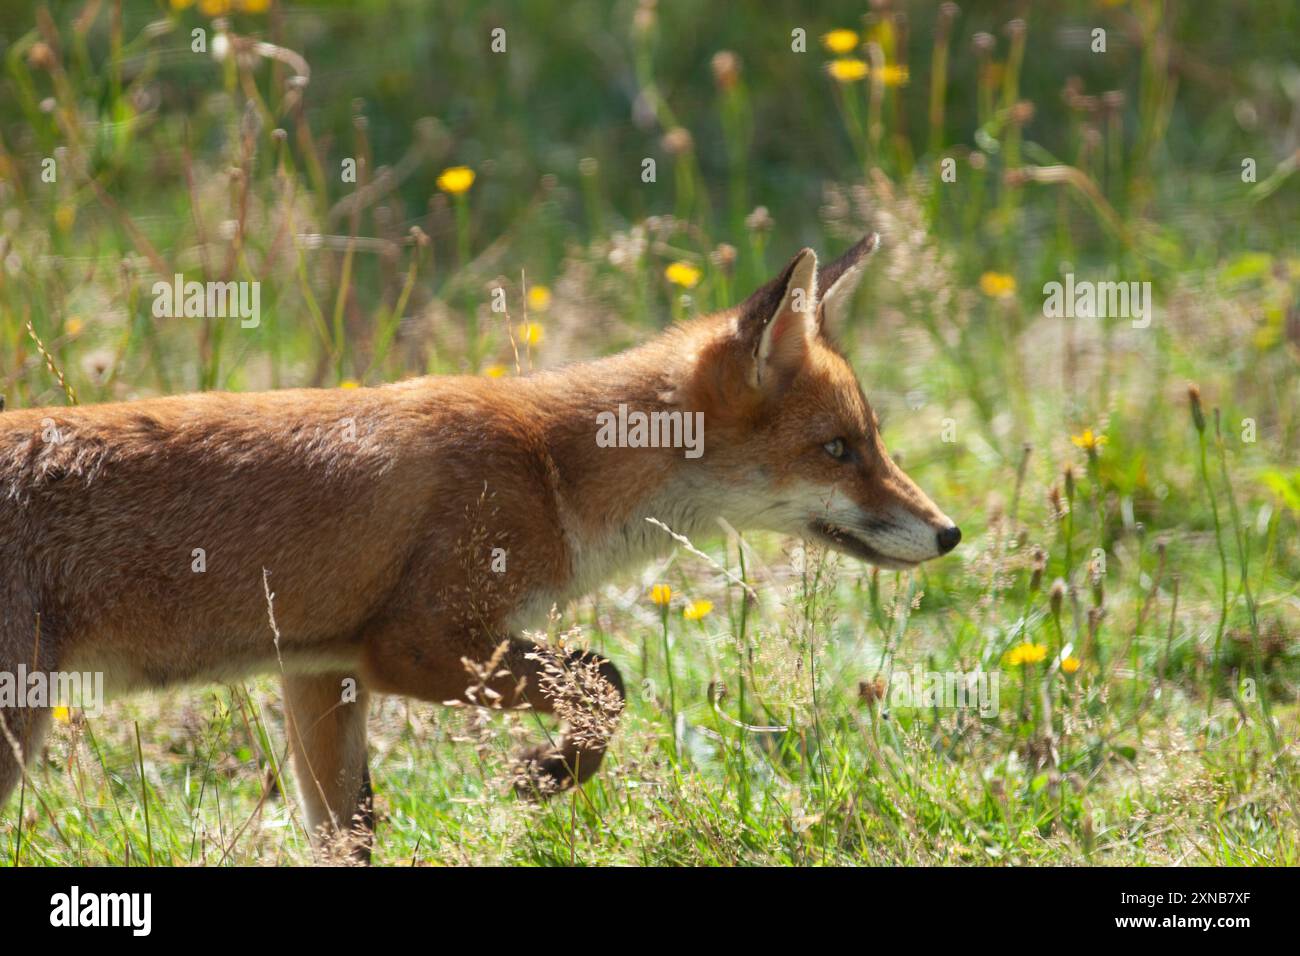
[[541, 772]]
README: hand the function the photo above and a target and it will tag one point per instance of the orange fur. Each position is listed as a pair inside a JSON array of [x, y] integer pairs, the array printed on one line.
[[375, 513]]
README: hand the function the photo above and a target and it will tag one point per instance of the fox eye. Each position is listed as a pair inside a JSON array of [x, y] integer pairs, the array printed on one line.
[[835, 448]]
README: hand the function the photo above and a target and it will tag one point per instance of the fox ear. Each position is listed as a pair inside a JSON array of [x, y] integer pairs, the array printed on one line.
[[839, 280], [779, 322]]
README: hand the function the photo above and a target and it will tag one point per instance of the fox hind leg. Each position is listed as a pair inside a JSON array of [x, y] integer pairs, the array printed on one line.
[[22, 729], [326, 726]]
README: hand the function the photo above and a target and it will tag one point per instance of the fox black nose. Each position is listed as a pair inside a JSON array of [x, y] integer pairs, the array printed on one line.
[[948, 538]]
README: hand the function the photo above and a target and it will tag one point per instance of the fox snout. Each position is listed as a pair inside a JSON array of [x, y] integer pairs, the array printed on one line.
[[921, 517], [948, 538], [894, 526]]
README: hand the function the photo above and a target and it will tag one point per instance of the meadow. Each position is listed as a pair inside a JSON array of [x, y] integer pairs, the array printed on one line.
[[391, 173]]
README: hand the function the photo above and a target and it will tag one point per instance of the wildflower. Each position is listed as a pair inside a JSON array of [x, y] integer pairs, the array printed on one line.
[[1022, 113], [65, 216], [891, 74], [724, 257], [997, 285], [678, 141], [62, 715], [255, 6], [661, 594], [760, 220], [1039, 566], [1054, 502], [494, 371], [726, 69], [40, 56], [539, 298], [683, 274], [214, 8], [349, 383], [1097, 578], [643, 20], [1088, 441], [530, 333], [872, 690], [456, 180], [97, 365], [1070, 664], [1057, 595], [74, 326], [1027, 653], [697, 609], [1198, 414], [847, 69], [840, 42]]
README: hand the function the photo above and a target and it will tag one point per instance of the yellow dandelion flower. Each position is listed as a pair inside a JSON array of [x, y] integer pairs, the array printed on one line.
[[530, 333], [255, 6], [539, 298], [840, 42], [891, 74], [847, 69], [349, 383], [661, 594], [998, 285], [1070, 664], [1088, 441], [62, 715], [683, 274], [1027, 653], [697, 609], [74, 326], [495, 371], [214, 8], [456, 180]]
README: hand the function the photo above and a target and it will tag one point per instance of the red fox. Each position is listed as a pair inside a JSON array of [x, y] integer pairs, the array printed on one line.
[[408, 528]]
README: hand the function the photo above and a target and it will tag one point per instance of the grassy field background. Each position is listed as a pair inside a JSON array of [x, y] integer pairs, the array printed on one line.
[[1130, 567]]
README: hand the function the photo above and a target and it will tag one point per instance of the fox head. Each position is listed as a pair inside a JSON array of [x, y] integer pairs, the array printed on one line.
[[794, 437]]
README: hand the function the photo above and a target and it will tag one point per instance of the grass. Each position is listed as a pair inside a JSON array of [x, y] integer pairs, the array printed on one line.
[[1113, 516]]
